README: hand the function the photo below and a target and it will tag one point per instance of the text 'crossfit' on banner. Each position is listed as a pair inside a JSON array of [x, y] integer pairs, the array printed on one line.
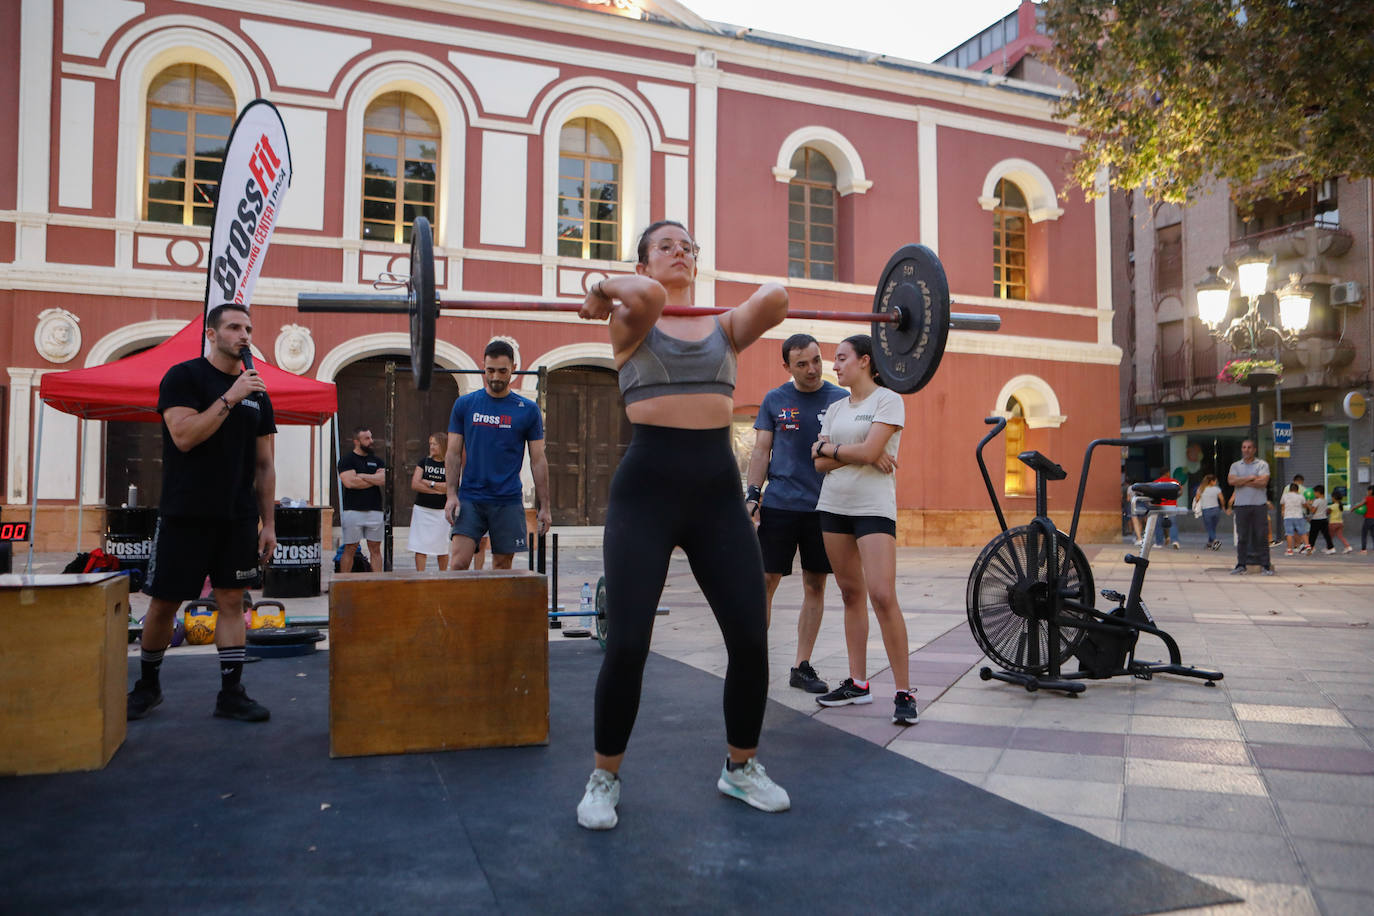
[[257, 172]]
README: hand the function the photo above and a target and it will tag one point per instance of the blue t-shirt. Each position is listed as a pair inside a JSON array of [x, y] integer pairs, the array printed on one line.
[[494, 432], [794, 419]]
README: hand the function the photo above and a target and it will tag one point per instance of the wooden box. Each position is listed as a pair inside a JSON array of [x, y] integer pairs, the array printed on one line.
[[64, 649], [419, 662]]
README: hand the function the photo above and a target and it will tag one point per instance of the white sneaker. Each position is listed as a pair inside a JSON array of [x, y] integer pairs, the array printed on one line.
[[596, 811], [1348, 549], [1329, 550], [750, 784]]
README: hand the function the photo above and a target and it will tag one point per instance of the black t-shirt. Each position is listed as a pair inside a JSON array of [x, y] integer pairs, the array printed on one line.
[[434, 472], [368, 499], [216, 478]]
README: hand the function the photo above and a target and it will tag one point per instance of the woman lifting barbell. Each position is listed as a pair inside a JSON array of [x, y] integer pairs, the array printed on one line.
[[678, 486]]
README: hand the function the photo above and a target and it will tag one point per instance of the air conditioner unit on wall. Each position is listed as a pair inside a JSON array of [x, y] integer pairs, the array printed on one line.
[[1346, 293]]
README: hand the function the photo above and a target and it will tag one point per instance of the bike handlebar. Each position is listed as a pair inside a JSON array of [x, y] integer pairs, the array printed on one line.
[[1000, 423], [1087, 461]]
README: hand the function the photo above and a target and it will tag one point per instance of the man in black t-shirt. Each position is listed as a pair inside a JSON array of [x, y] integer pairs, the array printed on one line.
[[218, 479], [363, 475]]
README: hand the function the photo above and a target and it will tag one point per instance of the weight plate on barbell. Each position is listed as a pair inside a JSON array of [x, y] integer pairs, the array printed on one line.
[[424, 303], [914, 288]]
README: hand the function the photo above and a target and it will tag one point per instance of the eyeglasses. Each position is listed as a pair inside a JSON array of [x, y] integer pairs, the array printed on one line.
[[670, 248]]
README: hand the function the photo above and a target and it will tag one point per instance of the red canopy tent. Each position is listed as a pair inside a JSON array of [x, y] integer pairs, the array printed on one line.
[[127, 388]]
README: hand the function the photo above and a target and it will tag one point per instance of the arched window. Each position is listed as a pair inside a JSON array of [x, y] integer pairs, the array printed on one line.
[[1009, 219], [400, 166], [589, 192], [1019, 479], [190, 114], [811, 216]]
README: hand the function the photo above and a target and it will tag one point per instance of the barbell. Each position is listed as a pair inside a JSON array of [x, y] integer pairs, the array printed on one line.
[[910, 321]]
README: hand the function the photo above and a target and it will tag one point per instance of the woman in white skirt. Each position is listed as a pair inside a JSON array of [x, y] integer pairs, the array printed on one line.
[[428, 527]]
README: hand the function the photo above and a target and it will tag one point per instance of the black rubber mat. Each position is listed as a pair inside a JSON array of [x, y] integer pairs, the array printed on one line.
[[205, 815]]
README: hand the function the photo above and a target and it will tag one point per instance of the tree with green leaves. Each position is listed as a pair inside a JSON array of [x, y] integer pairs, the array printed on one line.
[[1267, 95]]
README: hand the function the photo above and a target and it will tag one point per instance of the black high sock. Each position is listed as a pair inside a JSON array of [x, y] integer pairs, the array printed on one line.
[[230, 666], [150, 664]]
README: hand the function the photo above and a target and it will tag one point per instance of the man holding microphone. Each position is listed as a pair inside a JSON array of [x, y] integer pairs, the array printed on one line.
[[218, 480]]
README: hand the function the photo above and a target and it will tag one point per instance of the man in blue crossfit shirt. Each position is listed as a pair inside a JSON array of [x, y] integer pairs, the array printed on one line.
[[789, 421], [487, 435]]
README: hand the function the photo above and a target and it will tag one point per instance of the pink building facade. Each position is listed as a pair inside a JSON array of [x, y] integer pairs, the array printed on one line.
[[789, 161]]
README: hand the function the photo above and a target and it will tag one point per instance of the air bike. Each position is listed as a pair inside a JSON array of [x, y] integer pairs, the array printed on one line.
[[1030, 594]]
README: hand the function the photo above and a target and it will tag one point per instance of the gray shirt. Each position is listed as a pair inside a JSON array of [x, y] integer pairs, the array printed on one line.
[[1250, 496]]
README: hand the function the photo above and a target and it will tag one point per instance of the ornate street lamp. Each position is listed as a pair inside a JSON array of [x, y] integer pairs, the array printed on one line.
[[1246, 332]]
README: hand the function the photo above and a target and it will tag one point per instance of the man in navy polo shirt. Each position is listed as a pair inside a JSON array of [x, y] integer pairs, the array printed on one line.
[[488, 432], [789, 421]]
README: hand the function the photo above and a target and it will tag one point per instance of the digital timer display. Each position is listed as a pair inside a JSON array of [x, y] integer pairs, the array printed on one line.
[[14, 531]]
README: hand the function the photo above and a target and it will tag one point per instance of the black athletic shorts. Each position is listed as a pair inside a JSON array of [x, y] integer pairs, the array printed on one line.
[[186, 550], [857, 525], [782, 532]]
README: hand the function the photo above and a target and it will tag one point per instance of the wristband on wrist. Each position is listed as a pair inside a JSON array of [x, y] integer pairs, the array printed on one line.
[[835, 452], [227, 405], [752, 494]]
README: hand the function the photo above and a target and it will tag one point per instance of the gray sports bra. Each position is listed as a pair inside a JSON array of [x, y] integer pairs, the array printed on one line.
[[664, 365]]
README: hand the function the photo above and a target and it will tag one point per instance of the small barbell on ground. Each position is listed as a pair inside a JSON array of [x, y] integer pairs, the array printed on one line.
[[910, 321]]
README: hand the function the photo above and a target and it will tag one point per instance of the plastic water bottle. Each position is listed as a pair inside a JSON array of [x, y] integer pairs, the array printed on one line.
[[588, 618]]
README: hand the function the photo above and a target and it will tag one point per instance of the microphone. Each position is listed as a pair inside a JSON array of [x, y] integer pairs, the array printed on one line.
[[246, 355]]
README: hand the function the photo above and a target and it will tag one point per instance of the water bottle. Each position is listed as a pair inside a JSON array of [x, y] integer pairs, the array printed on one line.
[[588, 618]]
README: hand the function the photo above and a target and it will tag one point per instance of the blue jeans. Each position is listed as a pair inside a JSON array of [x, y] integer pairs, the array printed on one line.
[[1209, 521]]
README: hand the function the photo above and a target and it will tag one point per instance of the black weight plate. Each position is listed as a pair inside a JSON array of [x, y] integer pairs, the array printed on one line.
[[424, 303], [600, 628], [913, 287], [277, 636], [285, 650]]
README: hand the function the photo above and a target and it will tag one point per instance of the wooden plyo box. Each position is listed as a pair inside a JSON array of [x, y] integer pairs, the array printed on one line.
[[425, 663], [64, 662]]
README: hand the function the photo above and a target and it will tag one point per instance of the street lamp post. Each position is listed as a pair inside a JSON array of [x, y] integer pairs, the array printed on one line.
[[1245, 332]]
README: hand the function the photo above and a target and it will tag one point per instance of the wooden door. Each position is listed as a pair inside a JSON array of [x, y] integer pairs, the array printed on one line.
[[586, 434], [362, 402], [133, 455]]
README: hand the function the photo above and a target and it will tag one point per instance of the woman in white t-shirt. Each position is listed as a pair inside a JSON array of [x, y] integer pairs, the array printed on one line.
[[857, 451]]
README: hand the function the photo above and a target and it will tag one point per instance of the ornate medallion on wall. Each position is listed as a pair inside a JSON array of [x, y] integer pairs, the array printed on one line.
[[295, 350], [57, 337]]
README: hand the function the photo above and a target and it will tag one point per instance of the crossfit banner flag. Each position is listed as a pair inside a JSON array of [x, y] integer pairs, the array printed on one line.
[[257, 172]]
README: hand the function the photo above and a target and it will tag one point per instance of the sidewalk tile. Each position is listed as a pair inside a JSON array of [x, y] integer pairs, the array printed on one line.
[[1016, 762], [1198, 777], [1058, 796], [1260, 899], [1341, 822], [1354, 761], [1289, 715], [1257, 857], [1339, 866], [1213, 810], [1174, 727]]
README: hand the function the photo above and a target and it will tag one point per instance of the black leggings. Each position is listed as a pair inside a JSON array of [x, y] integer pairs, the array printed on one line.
[[680, 488]]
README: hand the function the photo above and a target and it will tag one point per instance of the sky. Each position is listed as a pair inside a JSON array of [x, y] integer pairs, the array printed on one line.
[[918, 30]]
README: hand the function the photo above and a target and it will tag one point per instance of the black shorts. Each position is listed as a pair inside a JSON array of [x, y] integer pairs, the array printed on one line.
[[782, 532], [858, 525], [186, 550]]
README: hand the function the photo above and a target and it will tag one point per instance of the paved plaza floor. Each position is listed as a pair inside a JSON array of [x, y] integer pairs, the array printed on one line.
[[1262, 785]]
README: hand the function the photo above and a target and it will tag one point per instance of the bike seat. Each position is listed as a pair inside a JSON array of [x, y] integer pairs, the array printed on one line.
[[1157, 492], [1042, 465]]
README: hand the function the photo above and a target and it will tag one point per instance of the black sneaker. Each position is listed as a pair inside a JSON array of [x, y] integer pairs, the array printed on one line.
[[845, 694], [235, 704], [142, 699], [805, 677], [905, 712]]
